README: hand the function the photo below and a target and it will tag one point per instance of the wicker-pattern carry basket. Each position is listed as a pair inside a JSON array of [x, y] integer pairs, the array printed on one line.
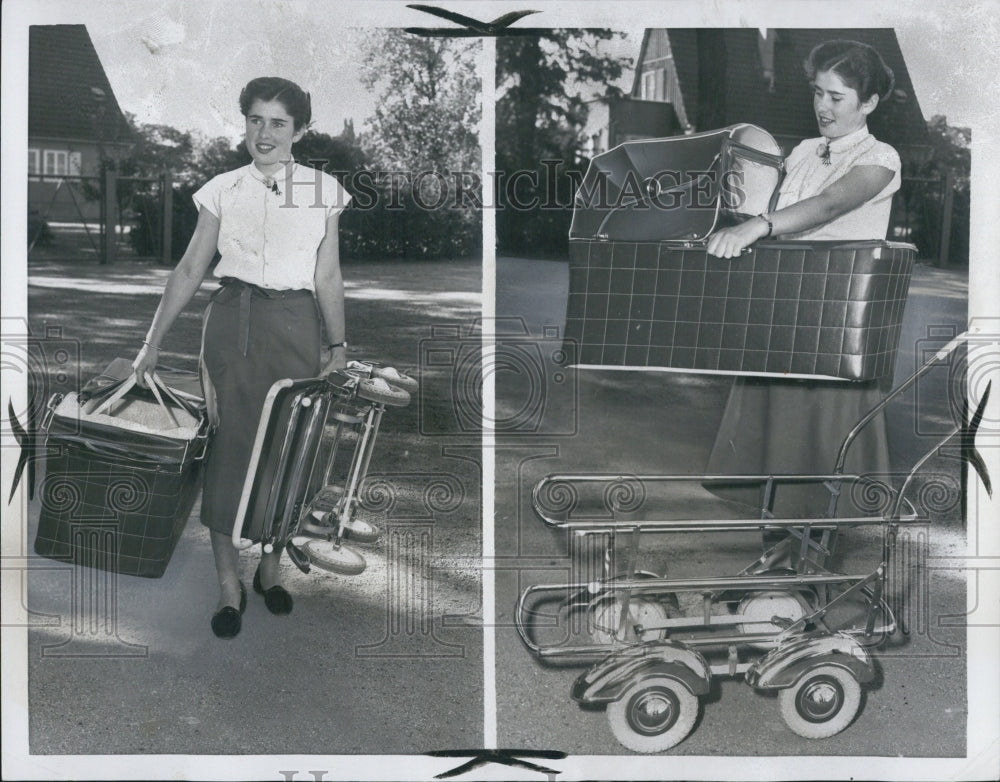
[[826, 309]]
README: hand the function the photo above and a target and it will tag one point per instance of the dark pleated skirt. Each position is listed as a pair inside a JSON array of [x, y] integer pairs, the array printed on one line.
[[786, 427], [283, 341]]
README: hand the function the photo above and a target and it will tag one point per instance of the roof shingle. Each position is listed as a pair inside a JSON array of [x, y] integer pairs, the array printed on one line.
[[787, 111], [63, 69]]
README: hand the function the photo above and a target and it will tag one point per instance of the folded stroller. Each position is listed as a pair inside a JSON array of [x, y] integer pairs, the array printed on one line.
[[302, 493]]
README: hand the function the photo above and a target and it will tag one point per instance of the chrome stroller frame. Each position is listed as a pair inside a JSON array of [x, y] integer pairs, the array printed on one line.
[[650, 663]]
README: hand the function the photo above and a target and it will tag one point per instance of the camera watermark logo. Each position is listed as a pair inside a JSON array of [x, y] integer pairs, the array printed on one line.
[[409, 506], [533, 377], [85, 519]]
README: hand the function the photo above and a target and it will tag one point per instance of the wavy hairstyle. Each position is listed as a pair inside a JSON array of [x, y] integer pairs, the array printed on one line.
[[295, 100], [858, 65]]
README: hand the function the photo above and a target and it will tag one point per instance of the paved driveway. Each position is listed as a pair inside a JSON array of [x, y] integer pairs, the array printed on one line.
[[386, 662], [634, 422]]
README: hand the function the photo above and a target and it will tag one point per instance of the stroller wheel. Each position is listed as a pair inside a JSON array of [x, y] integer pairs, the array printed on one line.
[[822, 703], [341, 559], [653, 715], [761, 609], [319, 523], [361, 531], [394, 377], [378, 390], [605, 618], [328, 498]]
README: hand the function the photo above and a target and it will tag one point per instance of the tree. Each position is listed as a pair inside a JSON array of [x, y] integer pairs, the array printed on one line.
[[215, 156], [155, 148], [423, 144], [950, 161], [539, 118], [428, 109], [334, 154]]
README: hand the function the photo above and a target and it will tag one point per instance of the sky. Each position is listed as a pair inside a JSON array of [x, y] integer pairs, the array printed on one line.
[[183, 62], [154, 59]]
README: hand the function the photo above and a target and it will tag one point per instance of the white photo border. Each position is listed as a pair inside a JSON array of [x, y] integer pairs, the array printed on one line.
[[971, 27]]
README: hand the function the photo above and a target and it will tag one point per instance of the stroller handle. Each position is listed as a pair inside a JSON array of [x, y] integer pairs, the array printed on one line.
[[942, 354]]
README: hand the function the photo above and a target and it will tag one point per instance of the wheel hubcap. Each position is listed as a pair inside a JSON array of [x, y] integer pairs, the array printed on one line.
[[653, 711], [820, 699]]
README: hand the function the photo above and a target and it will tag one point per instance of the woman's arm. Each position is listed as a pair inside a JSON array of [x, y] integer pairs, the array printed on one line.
[[329, 285], [860, 184], [181, 286]]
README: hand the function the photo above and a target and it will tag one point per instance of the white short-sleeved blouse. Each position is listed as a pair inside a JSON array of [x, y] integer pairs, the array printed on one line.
[[270, 229], [807, 175]]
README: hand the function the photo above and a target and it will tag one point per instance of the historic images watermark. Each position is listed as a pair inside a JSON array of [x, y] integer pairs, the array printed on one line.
[[552, 186], [533, 374]]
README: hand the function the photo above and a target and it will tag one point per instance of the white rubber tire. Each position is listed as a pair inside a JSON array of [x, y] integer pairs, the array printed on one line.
[[605, 617], [340, 559], [396, 378], [822, 703], [378, 390], [653, 715], [358, 531]]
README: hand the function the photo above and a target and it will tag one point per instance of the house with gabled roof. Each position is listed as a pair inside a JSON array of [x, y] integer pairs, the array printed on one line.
[[705, 78], [694, 79], [74, 120], [717, 77]]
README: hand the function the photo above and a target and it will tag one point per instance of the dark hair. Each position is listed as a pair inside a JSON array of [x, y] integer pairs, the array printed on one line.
[[291, 95], [858, 65]]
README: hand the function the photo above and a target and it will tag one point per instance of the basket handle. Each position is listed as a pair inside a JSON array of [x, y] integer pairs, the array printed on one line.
[[151, 381], [105, 398], [155, 384]]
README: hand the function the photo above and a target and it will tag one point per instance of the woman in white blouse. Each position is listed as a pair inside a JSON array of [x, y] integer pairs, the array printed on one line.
[[837, 187], [275, 225]]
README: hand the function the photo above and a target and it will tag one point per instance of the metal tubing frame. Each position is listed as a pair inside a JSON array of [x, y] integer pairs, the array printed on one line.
[[271, 507], [708, 585], [289, 519], [331, 457], [828, 526], [366, 421], [361, 419], [355, 477], [339, 432], [700, 525], [942, 354], [379, 410]]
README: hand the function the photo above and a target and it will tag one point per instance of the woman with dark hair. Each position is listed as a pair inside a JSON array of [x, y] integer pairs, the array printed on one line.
[[836, 187], [275, 225]]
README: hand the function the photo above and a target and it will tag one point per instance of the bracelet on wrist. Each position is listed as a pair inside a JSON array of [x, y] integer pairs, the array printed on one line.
[[333, 345], [770, 226], [151, 345]]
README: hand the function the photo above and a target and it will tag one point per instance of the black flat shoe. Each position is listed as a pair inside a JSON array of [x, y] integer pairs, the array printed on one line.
[[277, 599], [227, 621]]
